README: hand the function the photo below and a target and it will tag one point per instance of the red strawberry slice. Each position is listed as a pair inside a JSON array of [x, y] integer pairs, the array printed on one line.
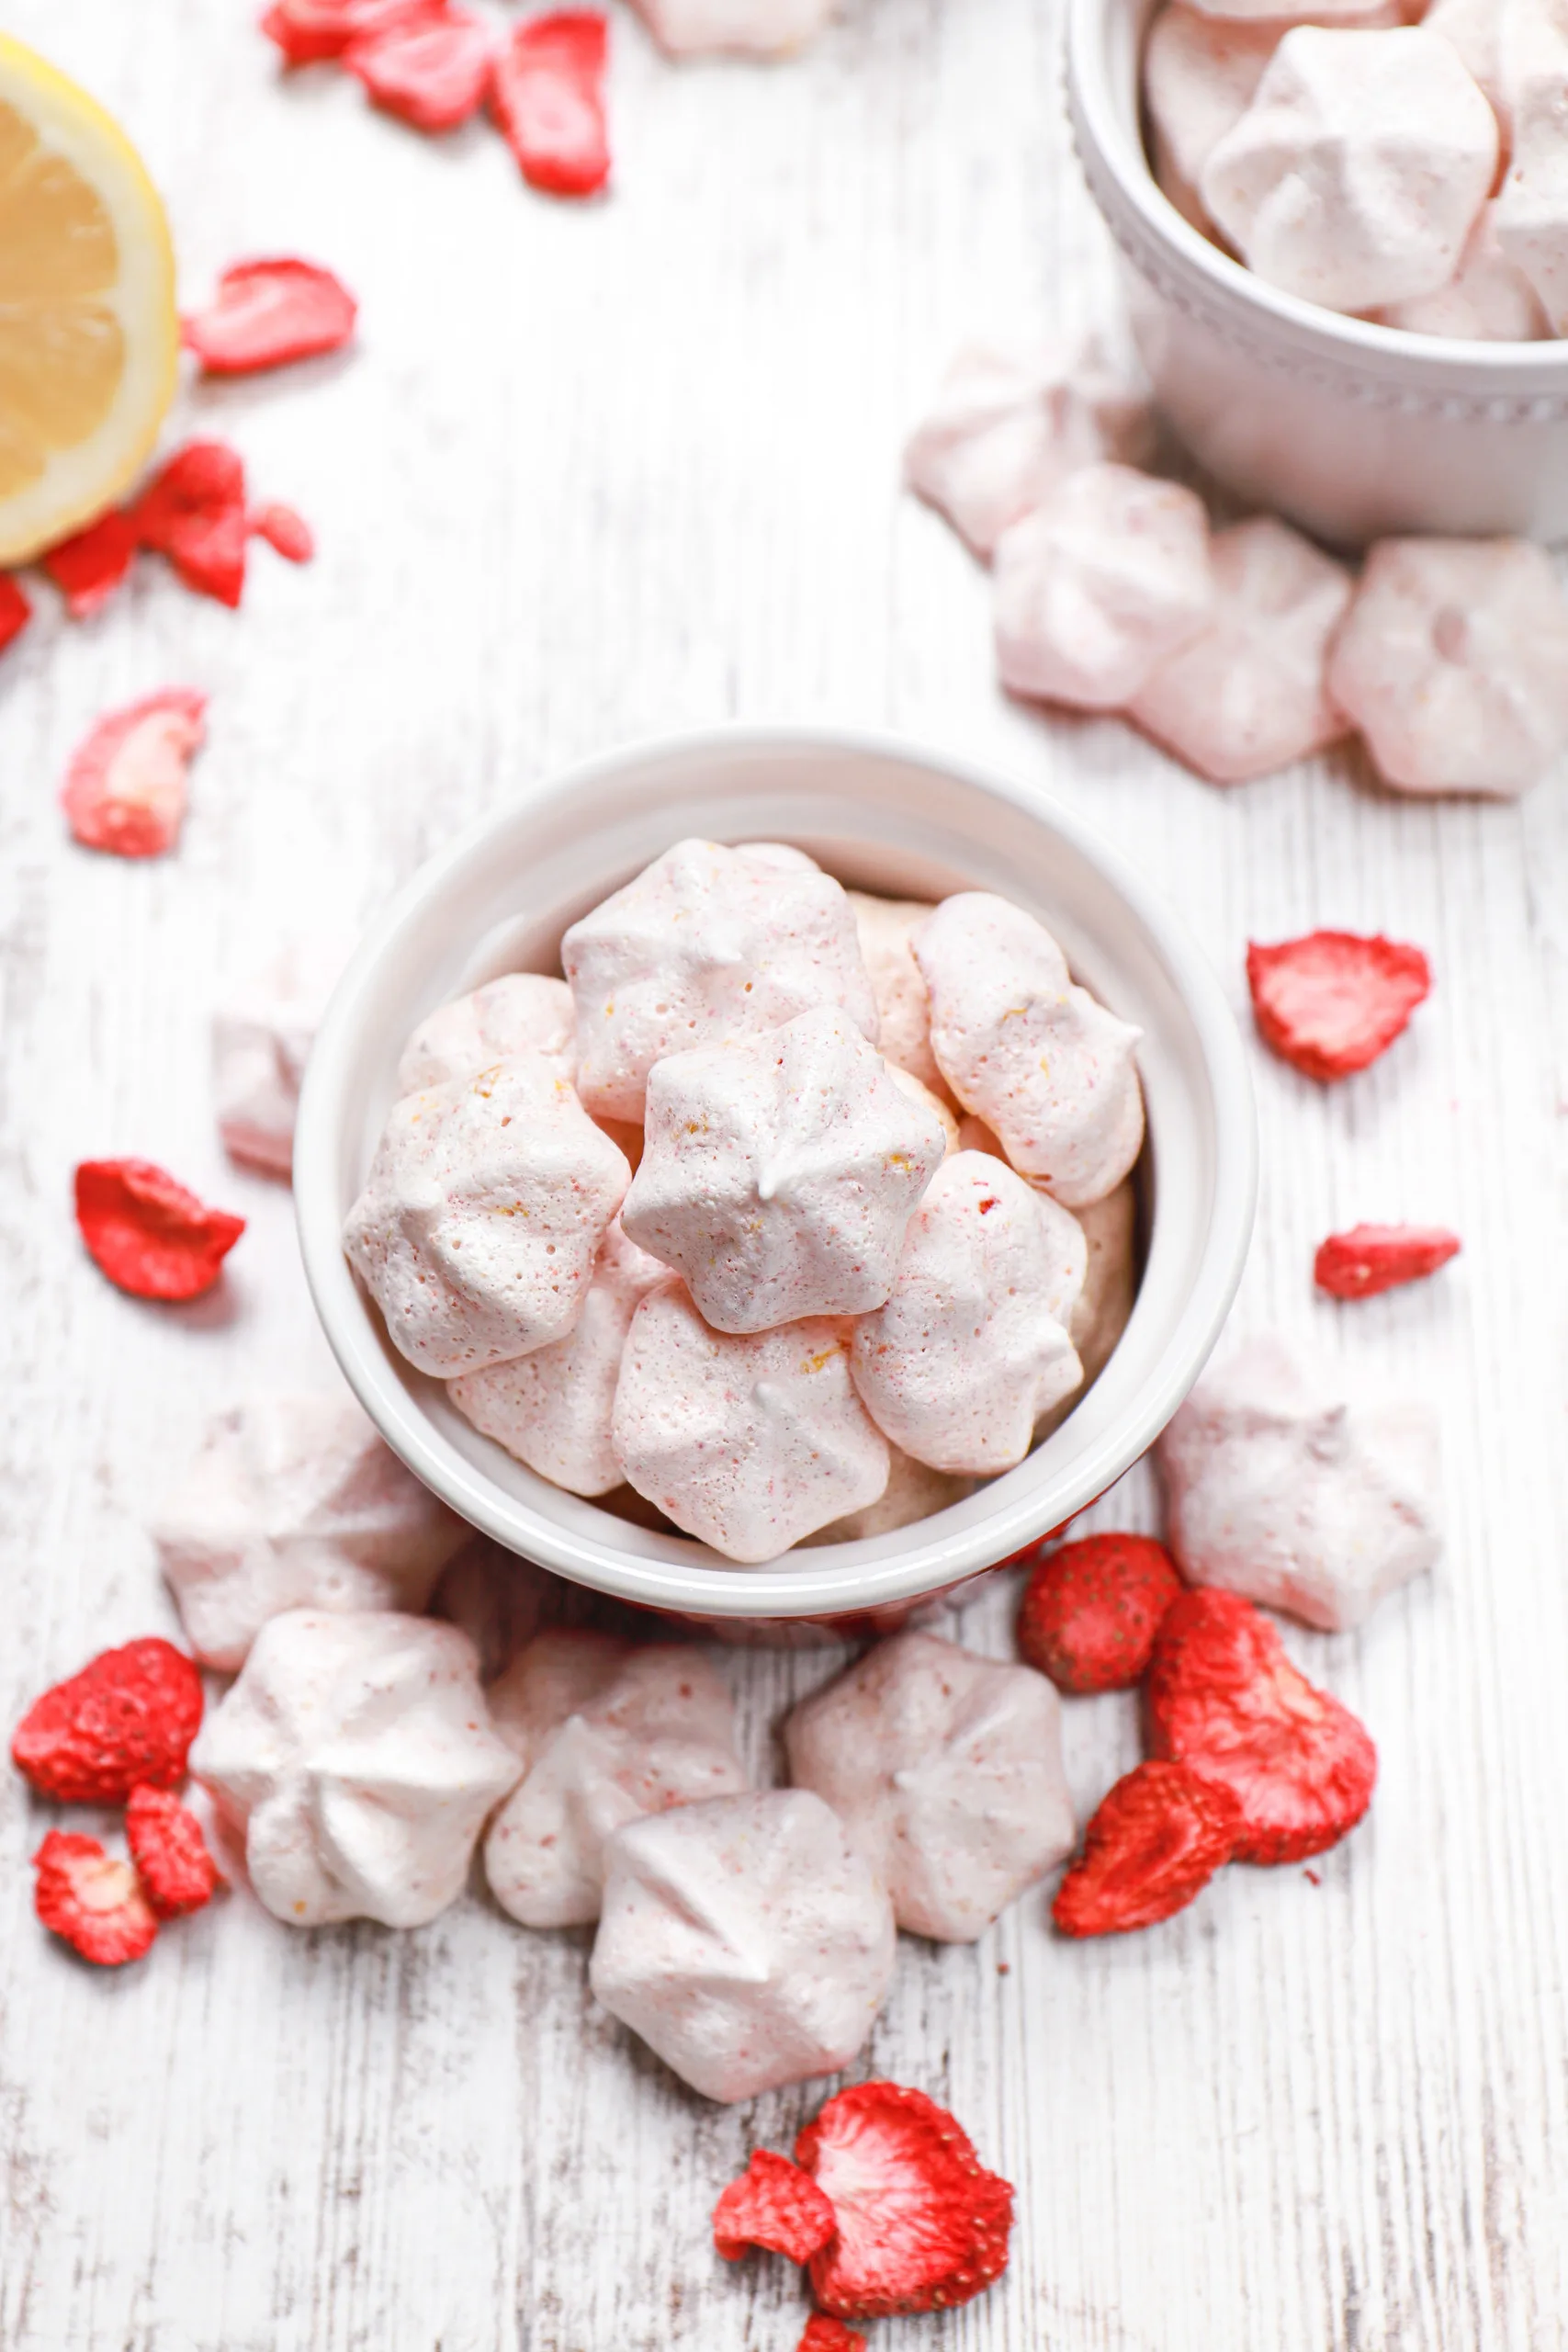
[[432, 72], [1224, 1699], [89, 566], [921, 2223], [1154, 1843], [773, 2204], [147, 1233], [1090, 1612], [125, 788], [15, 610], [128, 1718], [1371, 1258], [96, 1903], [548, 98], [1333, 1001], [170, 1852], [268, 313], [193, 513], [310, 31], [825, 2335]]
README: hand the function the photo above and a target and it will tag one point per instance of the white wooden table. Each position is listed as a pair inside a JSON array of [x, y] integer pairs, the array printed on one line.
[[589, 473]]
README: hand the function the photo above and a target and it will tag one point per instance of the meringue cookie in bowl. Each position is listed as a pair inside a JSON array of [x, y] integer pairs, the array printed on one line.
[[745, 1940], [522, 1012], [885, 929]]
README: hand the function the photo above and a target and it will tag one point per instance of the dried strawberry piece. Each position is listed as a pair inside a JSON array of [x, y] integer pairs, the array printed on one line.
[[432, 72], [773, 2204], [193, 513], [128, 1718], [920, 2223], [285, 531], [147, 1233], [548, 97], [96, 1903], [1152, 1844], [168, 1849], [1333, 1001], [825, 2335], [310, 31], [1224, 1699], [89, 566], [1090, 1612], [267, 313], [15, 610], [125, 788], [1371, 1258]]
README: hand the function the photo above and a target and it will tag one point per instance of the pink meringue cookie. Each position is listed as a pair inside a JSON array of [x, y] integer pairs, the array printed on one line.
[[522, 1013], [356, 1755], [1008, 426], [1355, 177], [707, 947], [551, 1409], [972, 1347], [914, 1491], [1488, 299], [481, 1217], [748, 1444], [1483, 33], [643, 1730], [885, 929], [947, 1771], [1453, 662], [1532, 209], [1096, 587], [295, 1502], [744, 1940], [779, 1175], [734, 27], [1048, 1068], [1199, 75], [262, 1036], [1282, 1487], [1249, 695]]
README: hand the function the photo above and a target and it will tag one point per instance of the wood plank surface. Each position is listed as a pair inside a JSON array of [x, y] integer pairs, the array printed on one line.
[[589, 474]]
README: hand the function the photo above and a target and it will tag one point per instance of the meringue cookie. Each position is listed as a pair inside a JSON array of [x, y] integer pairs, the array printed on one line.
[[520, 1013], [1355, 177], [747, 1444], [551, 1409], [885, 929], [914, 1491], [1488, 299], [947, 1771], [1248, 694], [744, 1941], [1282, 1487], [1453, 662], [1049, 1069], [1096, 587], [1483, 33], [483, 1214], [1105, 1304], [1532, 209], [779, 1175], [295, 1502], [707, 947], [1199, 75], [262, 1036], [972, 1347], [1007, 427], [619, 1733], [356, 1755], [733, 28]]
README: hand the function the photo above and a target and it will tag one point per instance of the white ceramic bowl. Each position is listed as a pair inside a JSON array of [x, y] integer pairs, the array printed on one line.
[[887, 817], [1355, 430]]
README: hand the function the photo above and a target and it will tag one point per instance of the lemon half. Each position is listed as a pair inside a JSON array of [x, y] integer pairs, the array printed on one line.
[[89, 333]]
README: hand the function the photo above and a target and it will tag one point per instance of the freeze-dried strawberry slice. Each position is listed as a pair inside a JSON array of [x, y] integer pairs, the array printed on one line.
[[286, 532], [89, 566], [825, 2335], [309, 30], [125, 788], [773, 2204], [1154, 1843], [432, 72], [168, 1849], [920, 2223], [15, 610], [127, 1720], [266, 314], [548, 96], [147, 1233], [1224, 1699], [96, 1903], [1333, 1001], [1090, 1612], [193, 513], [1371, 1258]]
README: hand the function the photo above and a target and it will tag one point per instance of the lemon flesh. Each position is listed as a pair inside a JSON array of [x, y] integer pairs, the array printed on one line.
[[89, 333]]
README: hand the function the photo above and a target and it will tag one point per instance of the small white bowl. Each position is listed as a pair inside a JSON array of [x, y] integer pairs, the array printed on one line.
[[1353, 430], [886, 817]]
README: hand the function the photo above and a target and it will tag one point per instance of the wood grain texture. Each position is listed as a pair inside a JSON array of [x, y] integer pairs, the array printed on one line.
[[589, 473]]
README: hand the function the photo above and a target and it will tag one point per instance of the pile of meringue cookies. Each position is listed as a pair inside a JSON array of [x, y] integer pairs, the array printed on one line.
[[880, 1228]]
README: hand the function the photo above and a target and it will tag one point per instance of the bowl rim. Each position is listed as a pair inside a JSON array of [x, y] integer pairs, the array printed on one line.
[[796, 1587], [1440, 362]]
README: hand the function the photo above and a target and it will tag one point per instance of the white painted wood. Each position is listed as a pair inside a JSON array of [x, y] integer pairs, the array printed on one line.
[[592, 473]]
